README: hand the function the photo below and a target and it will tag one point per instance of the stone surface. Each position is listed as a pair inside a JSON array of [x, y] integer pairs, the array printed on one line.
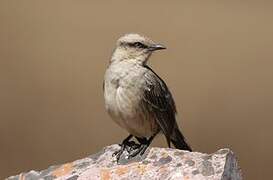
[[156, 163]]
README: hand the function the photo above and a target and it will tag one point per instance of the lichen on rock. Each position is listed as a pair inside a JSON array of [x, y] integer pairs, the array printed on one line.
[[156, 163]]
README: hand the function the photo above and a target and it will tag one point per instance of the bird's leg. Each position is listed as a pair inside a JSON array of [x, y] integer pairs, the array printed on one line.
[[144, 144], [125, 145]]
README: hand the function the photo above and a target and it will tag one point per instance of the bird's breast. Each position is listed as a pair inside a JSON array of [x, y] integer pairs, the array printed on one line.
[[122, 93]]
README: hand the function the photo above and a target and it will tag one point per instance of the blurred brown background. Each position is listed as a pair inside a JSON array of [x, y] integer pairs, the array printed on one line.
[[53, 55]]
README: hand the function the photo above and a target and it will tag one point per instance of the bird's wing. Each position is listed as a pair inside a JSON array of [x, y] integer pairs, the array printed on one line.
[[158, 100]]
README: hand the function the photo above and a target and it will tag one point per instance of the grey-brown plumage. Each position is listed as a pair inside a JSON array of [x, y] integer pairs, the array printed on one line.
[[136, 98]]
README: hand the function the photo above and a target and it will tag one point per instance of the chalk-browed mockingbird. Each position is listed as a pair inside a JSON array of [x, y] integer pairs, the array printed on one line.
[[137, 99]]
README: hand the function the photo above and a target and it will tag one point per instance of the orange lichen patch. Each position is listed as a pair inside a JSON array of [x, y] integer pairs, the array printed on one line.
[[105, 174], [141, 169], [186, 178], [162, 169], [63, 170], [121, 170]]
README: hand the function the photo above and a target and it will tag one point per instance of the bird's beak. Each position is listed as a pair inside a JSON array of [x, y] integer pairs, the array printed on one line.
[[155, 47]]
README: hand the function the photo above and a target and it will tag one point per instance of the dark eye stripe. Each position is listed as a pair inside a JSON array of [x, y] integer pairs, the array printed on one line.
[[140, 45], [137, 45]]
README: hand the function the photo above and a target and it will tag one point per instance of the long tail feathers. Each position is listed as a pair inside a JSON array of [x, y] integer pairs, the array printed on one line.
[[179, 141]]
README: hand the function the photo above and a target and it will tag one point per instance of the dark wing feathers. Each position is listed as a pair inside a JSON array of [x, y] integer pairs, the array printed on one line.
[[159, 102]]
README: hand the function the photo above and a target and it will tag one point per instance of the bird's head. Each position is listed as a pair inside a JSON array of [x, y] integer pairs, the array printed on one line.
[[134, 47]]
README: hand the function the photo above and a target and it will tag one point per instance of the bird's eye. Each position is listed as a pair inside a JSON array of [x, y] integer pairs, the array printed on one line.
[[139, 45]]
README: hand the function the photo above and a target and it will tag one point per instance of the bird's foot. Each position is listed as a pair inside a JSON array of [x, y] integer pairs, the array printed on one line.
[[129, 146], [139, 151], [118, 153]]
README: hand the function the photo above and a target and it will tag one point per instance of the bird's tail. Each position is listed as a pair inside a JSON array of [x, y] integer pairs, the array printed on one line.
[[179, 141]]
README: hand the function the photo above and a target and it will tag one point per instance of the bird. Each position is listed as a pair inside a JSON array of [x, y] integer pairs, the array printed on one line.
[[137, 99]]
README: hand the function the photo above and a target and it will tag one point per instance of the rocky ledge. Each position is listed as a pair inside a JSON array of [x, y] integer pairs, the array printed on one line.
[[156, 163]]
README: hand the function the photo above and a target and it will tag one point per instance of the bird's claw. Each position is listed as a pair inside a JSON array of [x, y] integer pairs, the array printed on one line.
[[141, 149], [132, 146], [129, 146]]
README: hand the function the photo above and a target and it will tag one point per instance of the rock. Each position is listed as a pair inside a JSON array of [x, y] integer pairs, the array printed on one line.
[[156, 163]]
